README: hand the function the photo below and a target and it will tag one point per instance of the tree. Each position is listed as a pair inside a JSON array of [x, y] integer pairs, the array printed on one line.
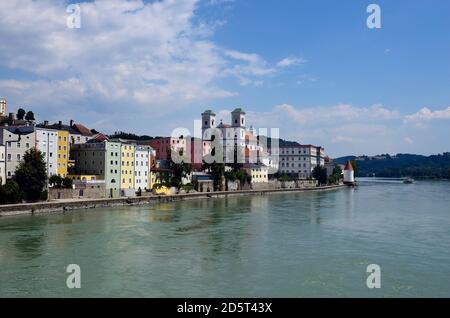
[[31, 175], [10, 193], [20, 113], [320, 174], [67, 183], [355, 167], [55, 181], [29, 116], [336, 176], [179, 170], [217, 171]]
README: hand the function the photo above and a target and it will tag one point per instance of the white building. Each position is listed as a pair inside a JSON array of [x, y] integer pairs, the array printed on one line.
[[2, 164], [142, 167], [300, 160], [17, 140], [232, 136], [47, 143]]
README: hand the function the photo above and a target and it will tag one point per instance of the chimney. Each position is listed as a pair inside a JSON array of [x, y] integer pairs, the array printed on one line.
[[46, 123], [60, 123], [12, 116], [71, 123]]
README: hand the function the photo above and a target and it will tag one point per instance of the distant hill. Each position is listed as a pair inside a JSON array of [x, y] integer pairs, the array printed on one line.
[[281, 142], [402, 165], [130, 136]]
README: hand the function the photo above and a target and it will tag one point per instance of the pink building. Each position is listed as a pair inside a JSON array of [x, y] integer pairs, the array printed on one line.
[[163, 146]]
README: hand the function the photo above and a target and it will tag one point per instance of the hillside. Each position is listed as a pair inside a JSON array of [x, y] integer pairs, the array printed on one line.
[[402, 165]]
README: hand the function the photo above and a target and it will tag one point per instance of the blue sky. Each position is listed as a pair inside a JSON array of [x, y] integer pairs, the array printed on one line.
[[311, 68]]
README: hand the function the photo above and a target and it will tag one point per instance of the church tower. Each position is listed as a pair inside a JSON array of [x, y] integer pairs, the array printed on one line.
[[2, 106], [208, 124]]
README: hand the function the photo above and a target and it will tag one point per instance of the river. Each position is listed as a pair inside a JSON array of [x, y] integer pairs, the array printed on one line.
[[315, 244]]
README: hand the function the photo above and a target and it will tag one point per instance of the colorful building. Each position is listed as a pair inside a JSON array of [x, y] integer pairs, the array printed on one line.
[[101, 159], [127, 168], [63, 153], [165, 146]]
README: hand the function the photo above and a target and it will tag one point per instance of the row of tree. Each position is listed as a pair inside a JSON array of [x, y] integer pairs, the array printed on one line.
[[22, 114]]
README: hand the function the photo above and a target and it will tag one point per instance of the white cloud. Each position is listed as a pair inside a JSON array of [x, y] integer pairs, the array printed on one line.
[[347, 129], [127, 55], [426, 114], [289, 61]]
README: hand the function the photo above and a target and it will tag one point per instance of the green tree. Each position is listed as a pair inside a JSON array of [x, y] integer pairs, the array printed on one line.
[[67, 183], [217, 171], [10, 193], [320, 174], [355, 167], [20, 113], [31, 175], [179, 170], [29, 116], [55, 181]]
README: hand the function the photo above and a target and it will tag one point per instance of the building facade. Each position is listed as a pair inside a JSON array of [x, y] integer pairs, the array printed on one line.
[[300, 160], [127, 167], [63, 153], [113, 166], [142, 167], [99, 159], [233, 137], [258, 173], [17, 141], [47, 144], [164, 146], [2, 165]]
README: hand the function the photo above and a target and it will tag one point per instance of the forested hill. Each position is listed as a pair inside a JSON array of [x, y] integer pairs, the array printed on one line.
[[402, 165]]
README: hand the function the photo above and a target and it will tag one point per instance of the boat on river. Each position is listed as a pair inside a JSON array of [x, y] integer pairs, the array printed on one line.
[[408, 180]]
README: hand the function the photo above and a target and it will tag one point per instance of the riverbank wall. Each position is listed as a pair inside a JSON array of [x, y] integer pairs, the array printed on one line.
[[77, 204]]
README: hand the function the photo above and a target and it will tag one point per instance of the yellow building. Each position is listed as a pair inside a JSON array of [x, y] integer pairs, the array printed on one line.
[[63, 153], [127, 166]]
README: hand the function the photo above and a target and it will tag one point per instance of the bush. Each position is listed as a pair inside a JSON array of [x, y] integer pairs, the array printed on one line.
[[10, 193], [67, 183], [55, 181], [187, 187]]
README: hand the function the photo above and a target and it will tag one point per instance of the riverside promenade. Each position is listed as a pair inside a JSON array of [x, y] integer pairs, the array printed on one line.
[[76, 204]]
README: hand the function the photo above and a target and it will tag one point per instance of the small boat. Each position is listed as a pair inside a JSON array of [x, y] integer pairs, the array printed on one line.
[[408, 180]]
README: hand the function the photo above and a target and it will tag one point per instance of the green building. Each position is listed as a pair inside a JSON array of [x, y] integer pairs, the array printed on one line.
[[102, 159]]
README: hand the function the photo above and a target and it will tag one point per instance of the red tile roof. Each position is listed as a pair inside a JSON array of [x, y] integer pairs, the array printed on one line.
[[348, 166]]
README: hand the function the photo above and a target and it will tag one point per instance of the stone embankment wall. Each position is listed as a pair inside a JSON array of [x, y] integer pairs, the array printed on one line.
[[67, 205]]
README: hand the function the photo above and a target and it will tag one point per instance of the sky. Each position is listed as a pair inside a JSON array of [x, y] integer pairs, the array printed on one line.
[[313, 69]]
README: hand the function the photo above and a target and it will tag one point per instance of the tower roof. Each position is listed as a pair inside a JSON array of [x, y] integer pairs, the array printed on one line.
[[348, 166], [238, 110], [208, 112]]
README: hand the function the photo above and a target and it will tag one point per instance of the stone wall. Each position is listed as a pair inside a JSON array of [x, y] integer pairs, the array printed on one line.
[[94, 191]]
